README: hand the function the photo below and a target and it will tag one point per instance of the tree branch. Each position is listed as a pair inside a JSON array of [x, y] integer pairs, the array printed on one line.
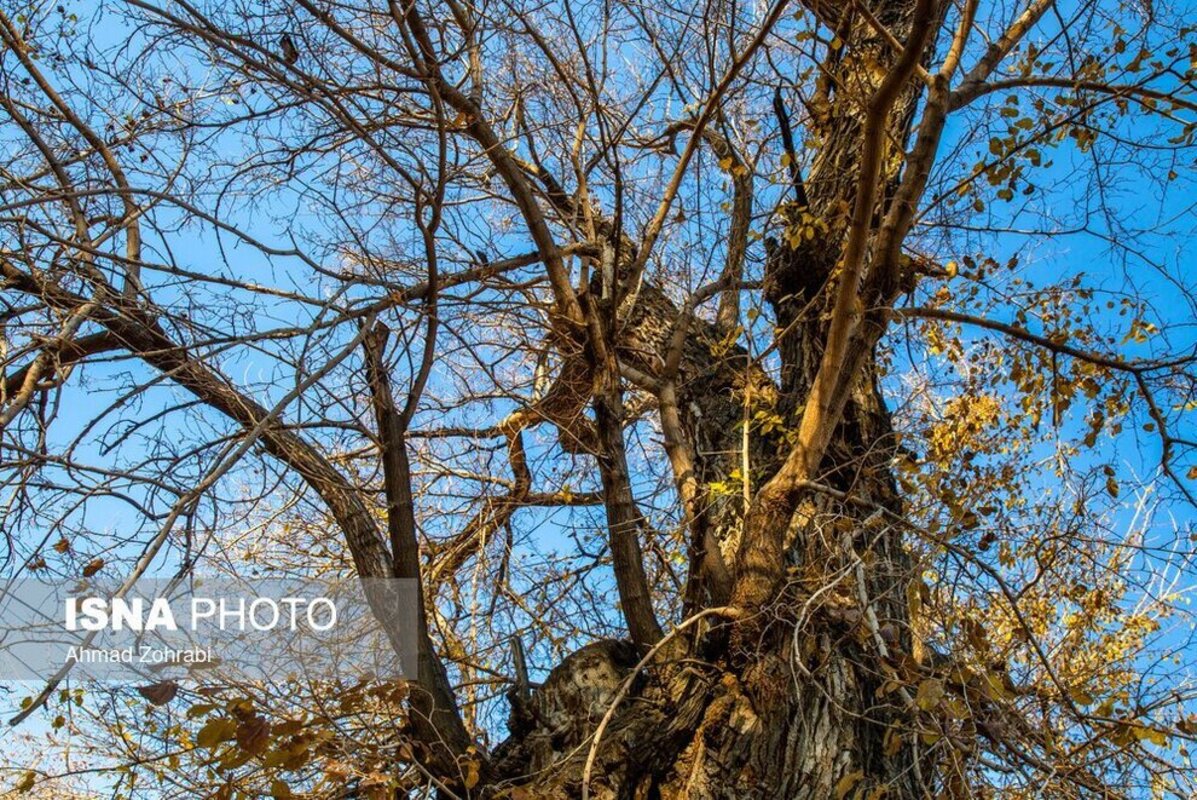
[[143, 336], [624, 520], [434, 708]]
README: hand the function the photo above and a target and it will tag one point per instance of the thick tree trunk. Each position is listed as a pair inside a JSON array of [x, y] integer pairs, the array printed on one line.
[[818, 700], [799, 714]]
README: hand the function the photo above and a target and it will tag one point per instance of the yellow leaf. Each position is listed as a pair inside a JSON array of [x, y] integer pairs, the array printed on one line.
[[26, 782], [216, 731], [847, 783], [1150, 735], [471, 774], [929, 694]]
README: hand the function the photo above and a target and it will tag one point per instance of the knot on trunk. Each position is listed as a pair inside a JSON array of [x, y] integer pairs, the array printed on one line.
[[556, 723]]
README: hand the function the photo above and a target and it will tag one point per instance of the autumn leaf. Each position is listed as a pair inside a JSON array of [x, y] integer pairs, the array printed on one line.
[[92, 567], [930, 692], [216, 731], [253, 734], [159, 693], [472, 773], [847, 784], [1153, 735], [26, 783]]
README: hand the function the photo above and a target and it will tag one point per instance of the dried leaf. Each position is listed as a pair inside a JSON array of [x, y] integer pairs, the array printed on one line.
[[847, 783], [216, 731], [159, 693], [929, 694]]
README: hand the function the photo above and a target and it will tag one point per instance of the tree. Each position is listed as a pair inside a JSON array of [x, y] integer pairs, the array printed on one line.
[[688, 357]]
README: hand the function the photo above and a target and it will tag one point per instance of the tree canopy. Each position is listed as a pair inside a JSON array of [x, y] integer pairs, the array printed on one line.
[[776, 399]]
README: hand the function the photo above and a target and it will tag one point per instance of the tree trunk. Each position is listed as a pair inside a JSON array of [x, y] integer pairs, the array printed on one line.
[[819, 701], [797, 715]]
